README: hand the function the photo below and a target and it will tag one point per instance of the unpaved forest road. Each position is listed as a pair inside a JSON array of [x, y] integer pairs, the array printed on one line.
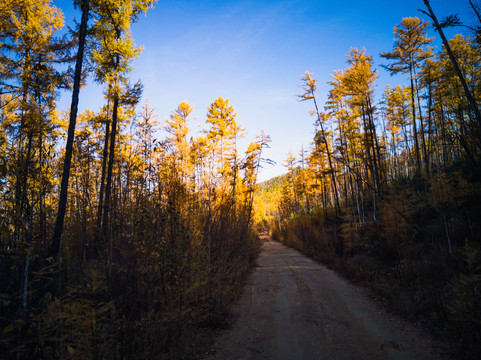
[[294, 308]]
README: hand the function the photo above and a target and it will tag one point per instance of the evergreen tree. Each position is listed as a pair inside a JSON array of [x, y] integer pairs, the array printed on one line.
[[310, 87], [113, 53], [410, 39]]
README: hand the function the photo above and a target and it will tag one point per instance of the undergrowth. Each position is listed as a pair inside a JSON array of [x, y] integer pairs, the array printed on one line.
[[158, 292], [420, 255]]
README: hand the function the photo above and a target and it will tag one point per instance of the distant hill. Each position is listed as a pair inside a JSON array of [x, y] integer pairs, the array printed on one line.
[[266, 198], [275, 181]]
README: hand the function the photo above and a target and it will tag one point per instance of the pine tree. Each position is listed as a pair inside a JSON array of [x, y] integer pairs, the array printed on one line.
[[57, 236], [454, 61], [113, 53], [410, 38], [223, 133], [178, 130], [397, 112], [359, 81], [310, 87]]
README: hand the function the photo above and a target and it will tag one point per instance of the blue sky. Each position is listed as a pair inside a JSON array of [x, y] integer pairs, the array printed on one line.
[[254, 52]]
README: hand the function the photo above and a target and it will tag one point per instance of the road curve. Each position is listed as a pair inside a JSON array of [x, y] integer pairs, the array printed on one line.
[[294, 308]]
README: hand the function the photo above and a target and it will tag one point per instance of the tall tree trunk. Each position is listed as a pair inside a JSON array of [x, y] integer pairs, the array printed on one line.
[[475, 10], [444, 135], [421, 128], [21, 172], [108, 184], [41, 195], [430, 120], [369, 150], [469, 95], [62, 204], [105, 154], [415, 130], [375, 144], [329, 159], [26, 275]]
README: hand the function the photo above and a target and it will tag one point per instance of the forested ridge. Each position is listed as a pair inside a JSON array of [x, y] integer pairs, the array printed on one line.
[[389, 193], [114, 242]]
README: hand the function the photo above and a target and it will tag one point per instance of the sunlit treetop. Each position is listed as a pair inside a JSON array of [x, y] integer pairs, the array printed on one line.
[[410, 37], [309, 86], [114, 44], [27, 43]]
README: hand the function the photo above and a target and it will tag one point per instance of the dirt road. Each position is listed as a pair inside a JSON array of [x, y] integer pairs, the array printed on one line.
[[294, 308]]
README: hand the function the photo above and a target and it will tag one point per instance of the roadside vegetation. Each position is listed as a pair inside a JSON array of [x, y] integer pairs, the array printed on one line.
[[120, 237], [389, 194]]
